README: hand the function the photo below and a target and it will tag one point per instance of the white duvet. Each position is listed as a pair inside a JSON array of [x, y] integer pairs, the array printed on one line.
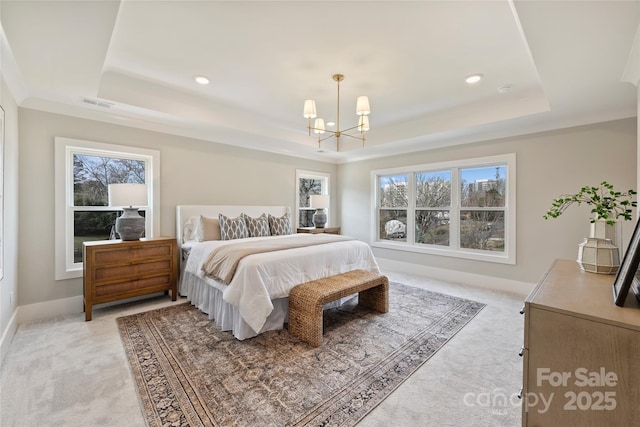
[[263, 277]]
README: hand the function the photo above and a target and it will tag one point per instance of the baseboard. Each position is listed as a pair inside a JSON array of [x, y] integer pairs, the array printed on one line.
[[477, 280], [65, 306], [49, 309], [7, 336]]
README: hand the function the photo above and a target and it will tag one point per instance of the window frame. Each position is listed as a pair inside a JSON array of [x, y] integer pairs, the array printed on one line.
[[65, 148], [325, 177], [2, 235], [506, 257]]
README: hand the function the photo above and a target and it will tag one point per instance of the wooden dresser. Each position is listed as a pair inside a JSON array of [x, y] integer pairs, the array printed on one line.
[[115, 270], [579, 350]]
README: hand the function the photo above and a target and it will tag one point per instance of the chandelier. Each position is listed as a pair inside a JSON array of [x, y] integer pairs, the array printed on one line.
[[362, 110]]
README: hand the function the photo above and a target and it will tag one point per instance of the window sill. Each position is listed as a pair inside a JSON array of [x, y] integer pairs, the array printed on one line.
[[497, 257]]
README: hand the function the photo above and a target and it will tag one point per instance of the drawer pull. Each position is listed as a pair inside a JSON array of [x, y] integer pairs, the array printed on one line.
[[521, 352], [522, 309], [520, 394]]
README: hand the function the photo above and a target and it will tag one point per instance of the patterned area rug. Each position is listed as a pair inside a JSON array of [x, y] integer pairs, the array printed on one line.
[[189, 373]]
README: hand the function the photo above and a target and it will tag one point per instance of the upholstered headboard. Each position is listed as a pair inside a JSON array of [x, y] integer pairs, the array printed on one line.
[[184, 212]]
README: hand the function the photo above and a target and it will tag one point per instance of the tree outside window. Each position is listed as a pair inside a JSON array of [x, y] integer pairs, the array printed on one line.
[[91, 178], [462, 208], [483, 195], [393, 204], [308, 184], [83, 172], [433, 204]]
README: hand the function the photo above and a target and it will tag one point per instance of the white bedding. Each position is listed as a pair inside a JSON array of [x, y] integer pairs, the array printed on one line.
[[263, 277]]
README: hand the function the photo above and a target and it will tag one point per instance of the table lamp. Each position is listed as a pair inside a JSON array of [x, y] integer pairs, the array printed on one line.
[[130, 225], [320, 202]]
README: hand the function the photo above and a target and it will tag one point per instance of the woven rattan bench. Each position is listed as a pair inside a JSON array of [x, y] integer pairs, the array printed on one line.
[[306, 301]]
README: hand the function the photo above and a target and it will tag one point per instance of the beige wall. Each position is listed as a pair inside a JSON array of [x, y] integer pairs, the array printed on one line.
[[192, 172], [9, 283], [548, 164]]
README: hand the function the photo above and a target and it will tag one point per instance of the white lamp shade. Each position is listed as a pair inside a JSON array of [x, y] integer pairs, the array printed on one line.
[[319, 201], [319, 126], [362, 106], [127, 195], [310, 109]]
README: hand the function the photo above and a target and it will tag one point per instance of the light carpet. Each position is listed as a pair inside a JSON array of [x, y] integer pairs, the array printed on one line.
[[189, 373]]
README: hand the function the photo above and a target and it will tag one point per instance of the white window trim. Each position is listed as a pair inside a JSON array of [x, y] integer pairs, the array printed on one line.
[[2, 235], [65, 268], [300, 173], [506, 257]]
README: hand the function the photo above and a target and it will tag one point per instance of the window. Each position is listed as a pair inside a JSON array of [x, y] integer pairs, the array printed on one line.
[[463, 209], [84, 170], [307, 184]]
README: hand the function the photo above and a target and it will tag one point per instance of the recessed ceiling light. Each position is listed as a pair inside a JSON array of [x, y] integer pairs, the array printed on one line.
[[504, 89], [330, 123], [201, 80], [474, 78]]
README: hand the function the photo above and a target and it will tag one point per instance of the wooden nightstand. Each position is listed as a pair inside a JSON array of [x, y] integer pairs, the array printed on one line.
[[115, 270], [314, 230]]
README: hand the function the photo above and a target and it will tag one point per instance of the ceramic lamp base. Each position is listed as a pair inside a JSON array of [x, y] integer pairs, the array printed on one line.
[[130, 226], [319, 218]]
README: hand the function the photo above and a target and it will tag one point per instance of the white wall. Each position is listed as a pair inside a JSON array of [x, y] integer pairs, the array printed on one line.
[[192, 172], [9, 291], [548, 164]]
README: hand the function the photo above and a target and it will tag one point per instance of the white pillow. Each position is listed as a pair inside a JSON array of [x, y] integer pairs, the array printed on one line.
[[189, 229]]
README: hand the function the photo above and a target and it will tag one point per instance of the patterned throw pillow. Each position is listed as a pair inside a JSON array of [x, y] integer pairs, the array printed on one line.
[[257, 227], [280, 226], [232, 228]]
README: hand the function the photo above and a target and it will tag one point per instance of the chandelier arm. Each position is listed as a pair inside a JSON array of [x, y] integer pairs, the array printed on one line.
[[361, 138], [332, 132], [351, 128], [327, 137]]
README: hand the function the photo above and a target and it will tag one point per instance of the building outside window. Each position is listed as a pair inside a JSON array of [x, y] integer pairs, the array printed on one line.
[[462, 209]]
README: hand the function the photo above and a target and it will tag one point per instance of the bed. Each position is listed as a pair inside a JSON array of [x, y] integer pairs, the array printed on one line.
[[254, 299]]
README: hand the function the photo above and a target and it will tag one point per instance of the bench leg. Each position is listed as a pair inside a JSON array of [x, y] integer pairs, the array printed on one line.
[[376, 298], [306, 324]]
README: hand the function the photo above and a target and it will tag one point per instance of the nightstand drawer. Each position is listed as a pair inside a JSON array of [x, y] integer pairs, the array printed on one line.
[[130, 270], [114, 288], [114, 255]]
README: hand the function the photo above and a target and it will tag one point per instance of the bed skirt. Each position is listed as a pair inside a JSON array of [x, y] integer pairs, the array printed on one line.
[[207, 297]]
